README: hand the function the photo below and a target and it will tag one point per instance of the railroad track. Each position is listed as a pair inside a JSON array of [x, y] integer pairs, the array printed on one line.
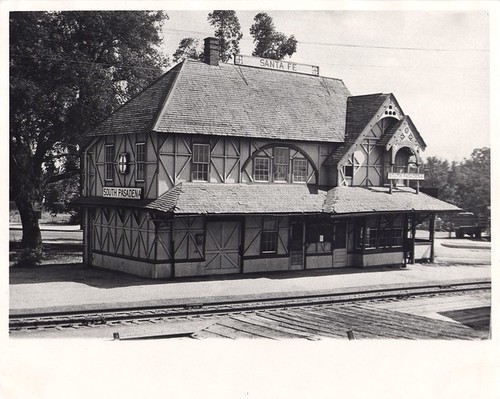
[[77, 319]]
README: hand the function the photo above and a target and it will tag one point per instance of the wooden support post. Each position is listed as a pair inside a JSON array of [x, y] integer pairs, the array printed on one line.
[[432, 225], [242, 243], [172, 244], [304, 243], [418, 181], [413, 233], [363, 235], [405, 240], [390, 181]]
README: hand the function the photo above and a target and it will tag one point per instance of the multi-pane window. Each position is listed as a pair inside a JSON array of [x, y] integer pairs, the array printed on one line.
[[269, 236], [201, 162], [281, 162], [319, 237], [109, 158], [261, 169], [299, 170], [140, 162], [382, 232]]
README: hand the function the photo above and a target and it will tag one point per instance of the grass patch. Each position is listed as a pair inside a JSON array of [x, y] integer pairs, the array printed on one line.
[[51, 254]]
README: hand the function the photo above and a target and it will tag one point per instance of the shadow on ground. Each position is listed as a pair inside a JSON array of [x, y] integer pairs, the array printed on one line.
[[102, 278]]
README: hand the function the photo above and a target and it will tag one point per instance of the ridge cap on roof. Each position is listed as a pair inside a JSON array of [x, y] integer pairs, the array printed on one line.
[[230, 64], [369, 95]]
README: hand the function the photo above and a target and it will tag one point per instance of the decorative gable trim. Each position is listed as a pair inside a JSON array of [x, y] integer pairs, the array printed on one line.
[[389, 108], [406, 135]]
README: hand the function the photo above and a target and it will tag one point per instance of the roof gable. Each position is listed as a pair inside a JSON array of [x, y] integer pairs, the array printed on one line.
[[363, 112], [404, 133]]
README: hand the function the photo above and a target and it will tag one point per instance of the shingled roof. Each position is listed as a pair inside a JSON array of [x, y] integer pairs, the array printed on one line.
[[139, 114], [360, 111], [234, 100], [220, 198], [212, 198], [349, 200]]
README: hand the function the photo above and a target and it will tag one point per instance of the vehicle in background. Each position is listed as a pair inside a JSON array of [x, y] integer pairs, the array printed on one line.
[[467, 223]]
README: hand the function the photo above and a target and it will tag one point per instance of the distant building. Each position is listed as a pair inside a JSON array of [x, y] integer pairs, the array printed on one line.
[[257, 166]]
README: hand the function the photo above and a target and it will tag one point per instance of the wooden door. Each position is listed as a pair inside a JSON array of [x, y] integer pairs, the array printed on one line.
[[296, 246], [222, 247], [340, 245]]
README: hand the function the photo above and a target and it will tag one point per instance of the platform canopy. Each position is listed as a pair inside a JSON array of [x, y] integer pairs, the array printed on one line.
[[202, 198], [349, 200], [213, 198]]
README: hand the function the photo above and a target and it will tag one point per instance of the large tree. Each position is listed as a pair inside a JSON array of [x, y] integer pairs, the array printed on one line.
[[189, 47], [228, 31], [438, 176], [67, 71], [472, 180], [465, 184], [268, 42]]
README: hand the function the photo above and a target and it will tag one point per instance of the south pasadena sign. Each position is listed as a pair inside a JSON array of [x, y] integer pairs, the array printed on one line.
[[122, 192], [276, 64], [405, 176]]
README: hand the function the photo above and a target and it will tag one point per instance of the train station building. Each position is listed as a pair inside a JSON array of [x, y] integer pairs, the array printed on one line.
[[255, 166]]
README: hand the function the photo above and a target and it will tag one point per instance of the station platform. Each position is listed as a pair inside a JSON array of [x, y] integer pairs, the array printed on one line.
[[71, 287]]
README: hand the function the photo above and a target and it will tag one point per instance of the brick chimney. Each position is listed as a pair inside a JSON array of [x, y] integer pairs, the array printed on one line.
[[211, 52]]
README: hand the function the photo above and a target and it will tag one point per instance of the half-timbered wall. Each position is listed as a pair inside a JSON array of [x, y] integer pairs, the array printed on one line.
[[232, 159], [253, 239], [169, 161], [368, 162], [123, 232], [95, 178], [189, 238]]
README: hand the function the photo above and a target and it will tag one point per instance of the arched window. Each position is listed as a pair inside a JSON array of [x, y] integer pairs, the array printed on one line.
[[281, 164]]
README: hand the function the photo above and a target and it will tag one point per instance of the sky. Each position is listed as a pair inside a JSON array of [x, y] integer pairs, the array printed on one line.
[[436, 63]]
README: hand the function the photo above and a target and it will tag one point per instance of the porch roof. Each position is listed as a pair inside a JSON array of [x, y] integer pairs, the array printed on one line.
[[212, 198], [344, 200], [240, 198]]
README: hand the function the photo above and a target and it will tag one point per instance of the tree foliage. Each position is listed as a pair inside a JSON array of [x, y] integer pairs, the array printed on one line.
[[67, 71], [58, 197], [228, 31], [189, 47], [465, 184], [268, 42]]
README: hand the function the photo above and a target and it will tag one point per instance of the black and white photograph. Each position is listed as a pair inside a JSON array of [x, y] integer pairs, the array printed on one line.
[[253, 178]]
